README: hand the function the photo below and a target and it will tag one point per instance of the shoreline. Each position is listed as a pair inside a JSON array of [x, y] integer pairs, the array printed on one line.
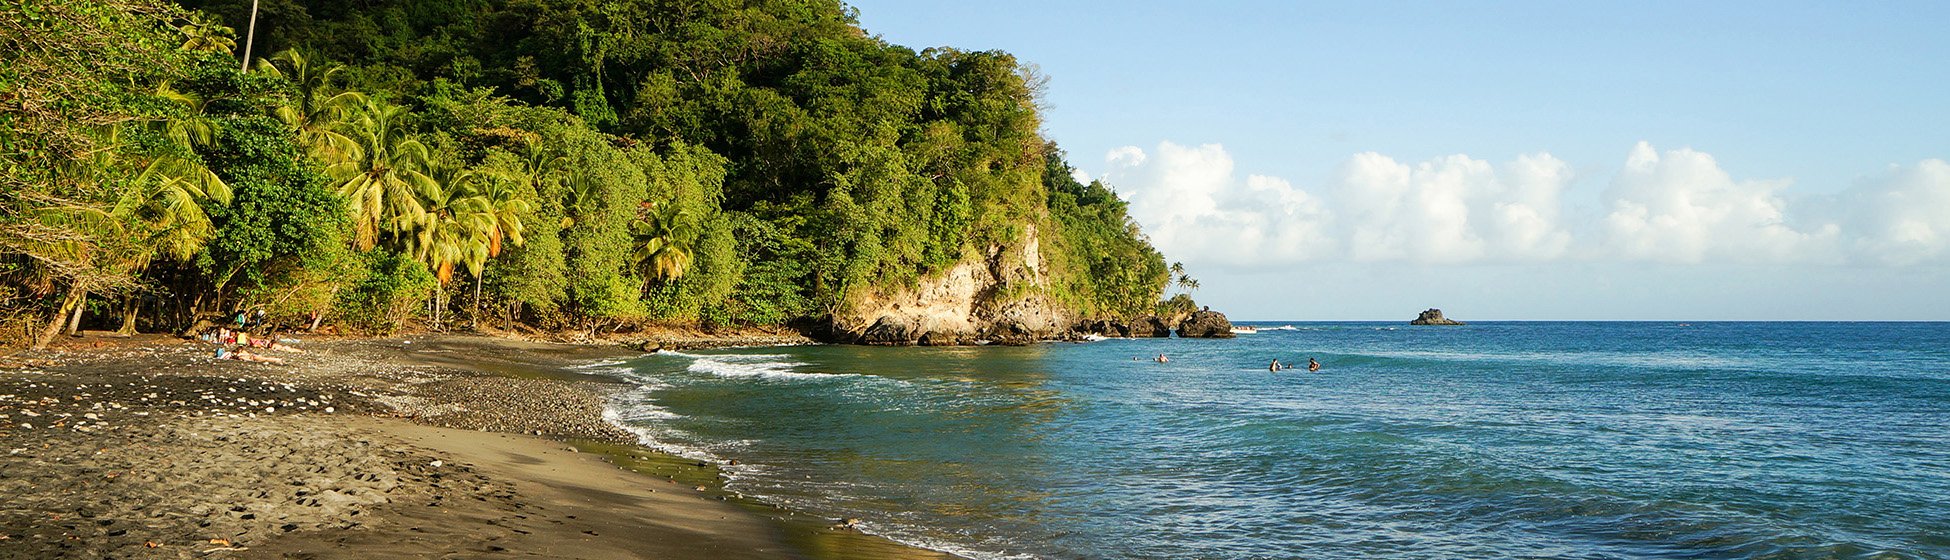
[[148, 447]]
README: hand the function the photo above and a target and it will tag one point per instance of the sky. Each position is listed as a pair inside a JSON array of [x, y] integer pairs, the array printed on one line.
[[1684, 161]]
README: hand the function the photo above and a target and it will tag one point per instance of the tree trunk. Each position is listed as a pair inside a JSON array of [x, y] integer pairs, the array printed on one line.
[[74, 322], [59, 318], [129, 312], [474, 313]]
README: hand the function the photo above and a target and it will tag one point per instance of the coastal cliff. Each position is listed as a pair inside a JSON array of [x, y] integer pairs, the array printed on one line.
[[998, 297]]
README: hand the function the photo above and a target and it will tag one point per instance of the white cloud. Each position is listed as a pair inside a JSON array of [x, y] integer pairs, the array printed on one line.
[[1901, 218], [1678, 206], [1681, 207], [1189, 202]]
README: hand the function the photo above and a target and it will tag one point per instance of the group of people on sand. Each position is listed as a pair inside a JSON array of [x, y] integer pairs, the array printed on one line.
[[224, 338]]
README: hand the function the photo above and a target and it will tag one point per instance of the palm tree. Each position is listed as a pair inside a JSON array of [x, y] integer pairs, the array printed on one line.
[[1182, 279], [156, 211], [504, 206], [204, 34], [314, 114], [383, 178], [663, 234], [455, 230]]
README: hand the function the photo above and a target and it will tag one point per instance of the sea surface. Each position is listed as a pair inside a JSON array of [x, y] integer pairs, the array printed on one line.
[[1494, 440]]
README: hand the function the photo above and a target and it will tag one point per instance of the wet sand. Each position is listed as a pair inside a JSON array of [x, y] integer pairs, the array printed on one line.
[[443, 447]]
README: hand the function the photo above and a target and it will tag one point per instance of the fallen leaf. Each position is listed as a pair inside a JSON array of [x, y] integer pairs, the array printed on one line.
[[225, 542]]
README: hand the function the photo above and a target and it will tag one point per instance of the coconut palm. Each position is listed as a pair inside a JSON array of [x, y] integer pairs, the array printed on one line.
[[455, 229], [383, 177], [663, 236], [155, 210], [204, 34], [313, 112]]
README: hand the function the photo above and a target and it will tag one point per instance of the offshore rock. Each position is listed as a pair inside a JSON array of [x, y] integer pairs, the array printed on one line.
[[1205, 324], [1434, 317]]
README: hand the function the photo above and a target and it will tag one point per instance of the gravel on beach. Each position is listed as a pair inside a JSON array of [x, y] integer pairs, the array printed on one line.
[[156, 449]]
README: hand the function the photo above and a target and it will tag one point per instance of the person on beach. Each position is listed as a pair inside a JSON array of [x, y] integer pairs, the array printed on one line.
[[242, 355], [273, 344], [1312, 365]]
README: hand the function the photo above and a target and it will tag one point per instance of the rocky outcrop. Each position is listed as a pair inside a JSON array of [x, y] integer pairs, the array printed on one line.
[[1205, 324], [1150, 326], [1434, 317], [1102, 327], [998, 296]]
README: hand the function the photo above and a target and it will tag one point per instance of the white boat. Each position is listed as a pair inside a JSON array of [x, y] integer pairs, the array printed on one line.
[[1242, 329]]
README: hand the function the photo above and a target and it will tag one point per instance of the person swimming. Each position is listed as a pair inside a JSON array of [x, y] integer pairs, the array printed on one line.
[[1162, 359], [1274, 367], [1312, 365]]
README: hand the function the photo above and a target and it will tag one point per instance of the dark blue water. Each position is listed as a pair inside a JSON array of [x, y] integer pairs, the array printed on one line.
[[1511, 440]]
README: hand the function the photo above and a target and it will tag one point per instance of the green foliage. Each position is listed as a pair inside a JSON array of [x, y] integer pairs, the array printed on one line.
[[573, 162], [384, 290], [1110, 267], [281, 213]]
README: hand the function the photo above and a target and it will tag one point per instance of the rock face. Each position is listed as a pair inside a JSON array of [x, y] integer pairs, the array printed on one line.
[[1205, 324], [996, 297], [1434, 317], [1150, 326]]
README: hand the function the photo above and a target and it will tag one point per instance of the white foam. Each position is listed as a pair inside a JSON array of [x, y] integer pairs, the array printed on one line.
[[648, 438], [755, 366]]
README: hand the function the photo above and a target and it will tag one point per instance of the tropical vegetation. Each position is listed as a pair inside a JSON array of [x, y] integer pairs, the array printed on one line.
[[553, 164]]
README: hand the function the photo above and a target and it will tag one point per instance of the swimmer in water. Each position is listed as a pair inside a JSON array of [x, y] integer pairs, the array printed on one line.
[[1312, 365], [1274, 367], [1162, 359]]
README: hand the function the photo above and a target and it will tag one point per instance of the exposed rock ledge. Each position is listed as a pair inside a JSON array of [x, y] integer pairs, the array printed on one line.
[[999, 297], [1434, 317], [1206, 324]]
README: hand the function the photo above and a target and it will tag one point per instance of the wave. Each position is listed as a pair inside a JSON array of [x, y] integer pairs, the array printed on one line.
[[754, 366]]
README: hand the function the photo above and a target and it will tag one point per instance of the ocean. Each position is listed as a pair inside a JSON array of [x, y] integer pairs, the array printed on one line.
[[1495, 440]]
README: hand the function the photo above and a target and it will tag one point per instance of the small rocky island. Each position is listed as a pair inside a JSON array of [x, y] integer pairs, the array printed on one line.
[[1434, 317]]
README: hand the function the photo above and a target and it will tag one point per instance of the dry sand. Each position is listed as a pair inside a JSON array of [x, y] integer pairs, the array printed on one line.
[[409, 448]]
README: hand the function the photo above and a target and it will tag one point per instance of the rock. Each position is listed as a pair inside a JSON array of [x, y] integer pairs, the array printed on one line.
[[1103, 327], [1149, 326], [1205, 324], [940, 338], [1011, 333], [890, 330], [825, 328], [1434, 317]]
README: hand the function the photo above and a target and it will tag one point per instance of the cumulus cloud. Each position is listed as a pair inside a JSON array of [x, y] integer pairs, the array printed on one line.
[[1681, 207], [1451, 210], [1676, 206], [1900, 218]]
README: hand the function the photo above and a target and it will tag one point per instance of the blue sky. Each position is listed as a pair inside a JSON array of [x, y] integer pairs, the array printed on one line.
[[1505, 160]]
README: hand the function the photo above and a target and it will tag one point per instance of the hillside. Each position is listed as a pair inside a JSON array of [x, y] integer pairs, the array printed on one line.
[[556, 164]]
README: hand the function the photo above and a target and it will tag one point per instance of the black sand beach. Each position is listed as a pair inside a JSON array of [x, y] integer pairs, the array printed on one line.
[[447, 447]]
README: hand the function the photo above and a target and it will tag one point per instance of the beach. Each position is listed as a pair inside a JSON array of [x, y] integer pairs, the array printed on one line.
[[443, 446]]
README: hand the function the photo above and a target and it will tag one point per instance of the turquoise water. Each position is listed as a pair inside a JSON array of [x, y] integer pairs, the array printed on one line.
[[1501, 440]]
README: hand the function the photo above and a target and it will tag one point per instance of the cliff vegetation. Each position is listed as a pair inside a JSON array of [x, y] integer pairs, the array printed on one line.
[[555, 164]]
